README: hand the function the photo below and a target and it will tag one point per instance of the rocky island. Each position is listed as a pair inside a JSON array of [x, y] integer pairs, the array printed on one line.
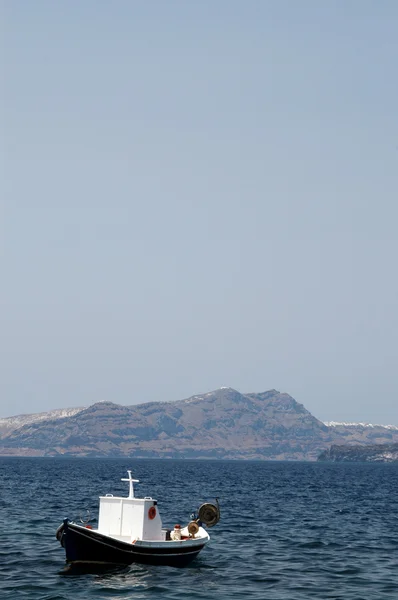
[[358, 453]]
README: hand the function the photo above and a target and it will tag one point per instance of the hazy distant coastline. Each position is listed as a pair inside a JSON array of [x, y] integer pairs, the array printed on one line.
[[220, 424], [385, 453]]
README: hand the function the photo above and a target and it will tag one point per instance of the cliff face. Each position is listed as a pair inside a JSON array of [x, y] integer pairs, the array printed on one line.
[[219, 424], [357, 453], [364, 433]]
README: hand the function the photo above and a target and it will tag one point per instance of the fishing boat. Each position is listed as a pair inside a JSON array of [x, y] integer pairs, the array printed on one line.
[[130, 531]]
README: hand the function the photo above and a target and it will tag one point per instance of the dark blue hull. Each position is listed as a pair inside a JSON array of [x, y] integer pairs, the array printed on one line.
[[83, 545]]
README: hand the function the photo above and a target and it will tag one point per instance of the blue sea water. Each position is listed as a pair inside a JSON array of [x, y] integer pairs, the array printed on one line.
[[288, 531]]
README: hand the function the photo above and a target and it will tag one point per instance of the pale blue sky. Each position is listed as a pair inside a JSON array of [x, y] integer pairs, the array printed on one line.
[[200, 194]]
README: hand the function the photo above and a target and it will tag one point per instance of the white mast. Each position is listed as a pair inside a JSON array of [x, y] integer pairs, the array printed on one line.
[[131, 481]]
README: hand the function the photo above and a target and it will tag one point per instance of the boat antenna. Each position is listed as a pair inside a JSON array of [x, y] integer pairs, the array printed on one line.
[[131, 481]]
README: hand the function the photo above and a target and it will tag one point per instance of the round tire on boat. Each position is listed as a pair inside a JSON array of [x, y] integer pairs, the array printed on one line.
[[152, 513]]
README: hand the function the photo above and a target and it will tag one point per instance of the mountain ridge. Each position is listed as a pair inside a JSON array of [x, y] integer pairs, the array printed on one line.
[[222, 423]]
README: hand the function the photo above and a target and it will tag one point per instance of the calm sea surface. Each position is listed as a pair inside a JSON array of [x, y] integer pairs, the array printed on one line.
[[288, 530]]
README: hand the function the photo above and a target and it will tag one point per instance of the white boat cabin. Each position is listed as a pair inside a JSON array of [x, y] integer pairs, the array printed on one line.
[[130, 519]]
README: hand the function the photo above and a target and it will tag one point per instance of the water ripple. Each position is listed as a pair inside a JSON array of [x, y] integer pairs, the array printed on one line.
[[289, 531]]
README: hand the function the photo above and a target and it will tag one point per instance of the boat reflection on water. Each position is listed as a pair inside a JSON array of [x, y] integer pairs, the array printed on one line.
[[76, 569]]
